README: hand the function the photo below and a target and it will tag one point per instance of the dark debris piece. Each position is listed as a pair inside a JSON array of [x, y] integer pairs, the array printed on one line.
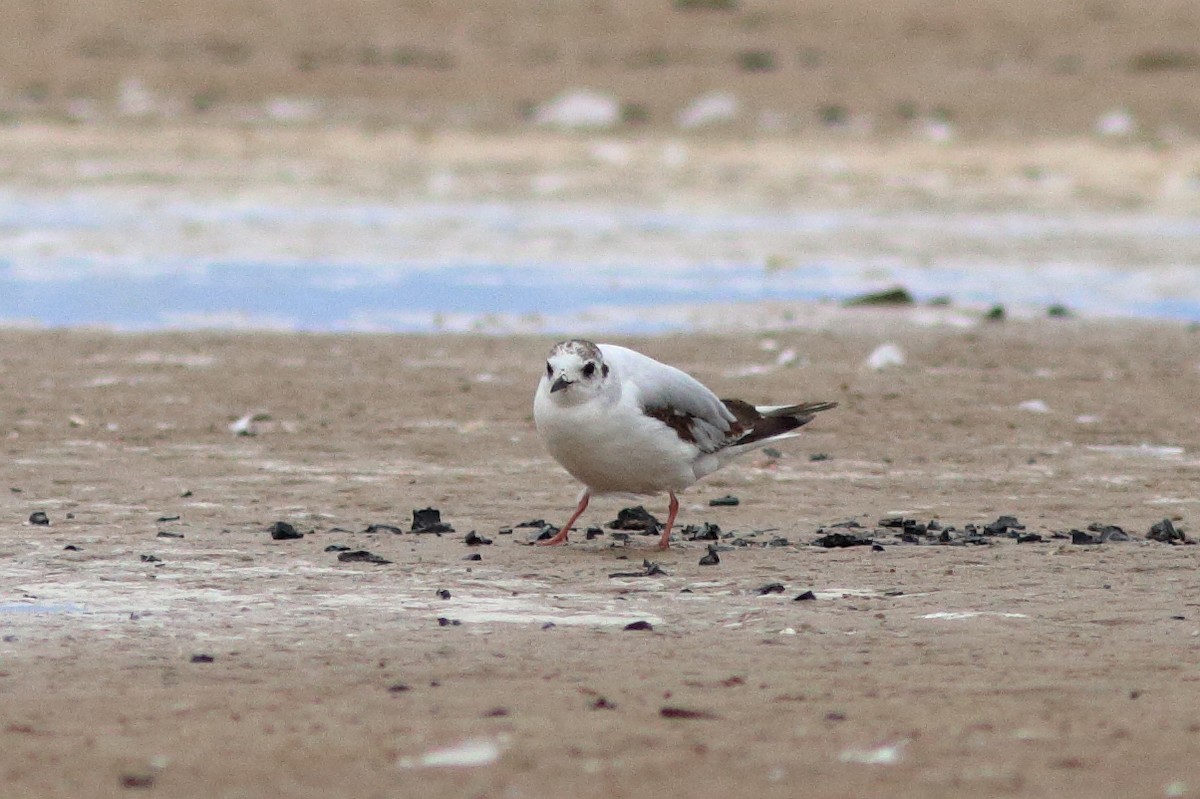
[[701, 532], [137, 780], [531, 523], [151, 559], [546, 533], [779, 542], [383, 528], [168, 534], [473, 556], [442, 593], [474, 539], [362, 556], [637, 518], [1004, 525], [712, 558], [71, 548], [638, 625], [685, 713], [429, 520], [849, 524], [444, 622], [1166, 532], [1080, 537], [337, 548], [807, 596], [1028, 538], [202, 658], [282, 531], [601, 703], [649, 569], [817, 457], [727, 501], [839, 540], [39, 517], [771, 588], [592, 532], [162, 519], [897, 295], [1108, 532]]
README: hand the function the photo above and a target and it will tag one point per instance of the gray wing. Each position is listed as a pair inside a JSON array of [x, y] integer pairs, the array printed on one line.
[[674, 397]]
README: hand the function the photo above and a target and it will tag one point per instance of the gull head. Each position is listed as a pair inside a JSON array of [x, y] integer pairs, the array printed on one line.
[[575, 371]]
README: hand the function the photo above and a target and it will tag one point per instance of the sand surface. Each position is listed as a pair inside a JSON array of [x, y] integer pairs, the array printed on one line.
[[994, 669], [1008, 68]]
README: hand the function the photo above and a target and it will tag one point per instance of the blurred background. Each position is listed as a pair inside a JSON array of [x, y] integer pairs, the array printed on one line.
[[549, 165]]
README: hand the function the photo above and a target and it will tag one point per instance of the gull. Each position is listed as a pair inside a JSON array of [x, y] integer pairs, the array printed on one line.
[[621, 422]]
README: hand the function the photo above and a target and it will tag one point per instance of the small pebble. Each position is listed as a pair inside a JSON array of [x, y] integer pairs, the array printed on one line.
[[38, 517]]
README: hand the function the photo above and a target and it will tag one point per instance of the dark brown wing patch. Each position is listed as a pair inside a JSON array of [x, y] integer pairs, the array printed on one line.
[[684, 424]]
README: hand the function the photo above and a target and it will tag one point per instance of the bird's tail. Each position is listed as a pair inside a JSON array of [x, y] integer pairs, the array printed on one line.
[[763, 424]]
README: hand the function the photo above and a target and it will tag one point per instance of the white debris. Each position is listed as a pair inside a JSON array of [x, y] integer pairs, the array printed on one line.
[[134, 99], [477, 752], [1034, 406], [1087, 418], [249, 425], [886, 355], [886, 755], [291, 109], [788, 357], [1117, 123], [580, 109], [709, 109]]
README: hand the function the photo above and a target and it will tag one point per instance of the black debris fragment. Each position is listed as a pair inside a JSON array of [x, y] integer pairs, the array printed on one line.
[[168, 534], [544, 534], [1108, 532], [162, 519], [771, 588], [1002, 526], [39, 517], [779, 542], [727, 501], [621, 538], [639, 625], [649, 569], [1082, 538], [849, 524], [1028, 538], [151, 559], [1167, 533], [817, 457], [282, 531], [202, 658], [362, 556], [473, 556], [592, 532], [636, 518], [840, 540], [712, 558], [71, 548], [444, 622], [429, 520], [897, 295], [685, 713], [442, 593], [876, 547], [602, 704], [701, 532], [337, 548], [532, 523], [807, 596], [383, 528], [398, 688], [138, 780], [474, 539]]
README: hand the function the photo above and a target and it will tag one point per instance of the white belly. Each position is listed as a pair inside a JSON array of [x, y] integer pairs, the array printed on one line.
[[615, 448]]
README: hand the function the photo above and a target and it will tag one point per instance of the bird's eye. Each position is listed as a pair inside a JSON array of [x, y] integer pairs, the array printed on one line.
[[589, 369], [549, 370]]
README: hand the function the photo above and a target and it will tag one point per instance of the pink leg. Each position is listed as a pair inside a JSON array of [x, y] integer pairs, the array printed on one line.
[[672, 509], [561, 538]]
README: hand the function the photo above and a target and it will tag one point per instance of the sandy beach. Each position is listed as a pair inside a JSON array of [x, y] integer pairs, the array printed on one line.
[[998, 624], [158, 641]]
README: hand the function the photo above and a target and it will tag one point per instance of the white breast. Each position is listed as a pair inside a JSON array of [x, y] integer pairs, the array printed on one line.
[[609, 445]]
